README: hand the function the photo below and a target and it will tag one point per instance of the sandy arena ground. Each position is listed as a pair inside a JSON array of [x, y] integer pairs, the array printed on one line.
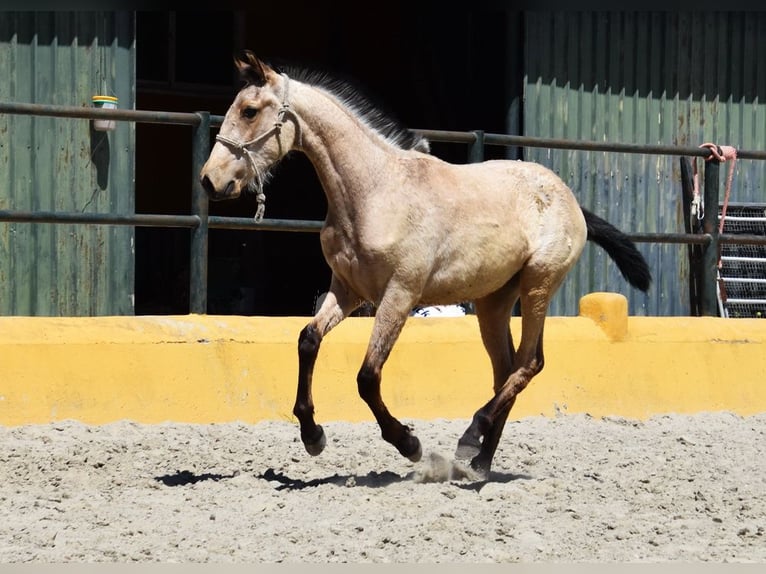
[[569, 489]]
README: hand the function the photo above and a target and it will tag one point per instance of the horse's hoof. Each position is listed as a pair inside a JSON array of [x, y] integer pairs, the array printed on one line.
[[412, 449], [418, 454], [467, 449], [316, 445]]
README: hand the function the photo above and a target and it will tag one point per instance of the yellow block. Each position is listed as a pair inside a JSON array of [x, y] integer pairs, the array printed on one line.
[[609, 311], [204, 368]]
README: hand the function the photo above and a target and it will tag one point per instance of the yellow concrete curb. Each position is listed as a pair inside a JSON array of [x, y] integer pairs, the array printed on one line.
[[204, 369]]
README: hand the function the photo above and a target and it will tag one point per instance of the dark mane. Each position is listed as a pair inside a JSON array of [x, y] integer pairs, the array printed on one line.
[[382, 122]]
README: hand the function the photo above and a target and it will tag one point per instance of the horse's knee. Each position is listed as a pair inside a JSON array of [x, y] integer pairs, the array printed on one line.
[[368, 383], [309, 341]]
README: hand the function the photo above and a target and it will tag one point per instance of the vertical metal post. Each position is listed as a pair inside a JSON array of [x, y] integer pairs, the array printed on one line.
[[199, 207], [476, 149], [711, 250]]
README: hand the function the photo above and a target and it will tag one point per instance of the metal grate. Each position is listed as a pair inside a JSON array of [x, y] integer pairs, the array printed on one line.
[[742, 276]]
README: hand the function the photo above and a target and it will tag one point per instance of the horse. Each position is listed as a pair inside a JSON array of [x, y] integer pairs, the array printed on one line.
[[405, 228]]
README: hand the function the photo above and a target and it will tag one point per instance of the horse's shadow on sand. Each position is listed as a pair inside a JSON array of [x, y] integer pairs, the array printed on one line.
[[379, 479], [370, 480], [185, 478]]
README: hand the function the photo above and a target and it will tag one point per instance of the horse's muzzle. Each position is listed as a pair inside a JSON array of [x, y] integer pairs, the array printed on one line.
[[231, 190]]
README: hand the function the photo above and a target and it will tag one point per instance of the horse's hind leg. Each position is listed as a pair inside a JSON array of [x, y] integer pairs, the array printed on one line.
[[389, 320], [493, 313], [336, 306], [536, 291]]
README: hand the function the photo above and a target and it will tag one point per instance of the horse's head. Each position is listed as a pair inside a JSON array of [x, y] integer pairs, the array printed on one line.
[[258, 130]]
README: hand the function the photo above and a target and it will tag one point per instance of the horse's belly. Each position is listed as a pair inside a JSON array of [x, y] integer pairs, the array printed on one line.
[[469, 280]]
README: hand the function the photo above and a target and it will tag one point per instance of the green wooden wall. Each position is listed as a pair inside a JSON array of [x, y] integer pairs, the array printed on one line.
[[648, 78], [57, 164]]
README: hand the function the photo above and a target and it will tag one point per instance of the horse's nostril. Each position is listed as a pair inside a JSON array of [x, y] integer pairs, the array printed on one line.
[[214, 194], [207, 185]]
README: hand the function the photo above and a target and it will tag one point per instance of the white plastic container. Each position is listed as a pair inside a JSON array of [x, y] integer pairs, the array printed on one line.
[[107, 103]]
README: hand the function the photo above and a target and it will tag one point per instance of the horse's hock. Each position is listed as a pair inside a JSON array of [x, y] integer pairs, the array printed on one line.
[[205, 368]]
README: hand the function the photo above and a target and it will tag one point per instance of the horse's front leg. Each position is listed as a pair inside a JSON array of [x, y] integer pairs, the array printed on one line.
[[338, 303], [389, 320]]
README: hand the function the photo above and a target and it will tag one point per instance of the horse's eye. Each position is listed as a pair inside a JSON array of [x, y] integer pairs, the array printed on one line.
[[249, 113]]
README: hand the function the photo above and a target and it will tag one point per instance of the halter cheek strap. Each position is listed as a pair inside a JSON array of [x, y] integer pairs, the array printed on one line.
[[276, 130]]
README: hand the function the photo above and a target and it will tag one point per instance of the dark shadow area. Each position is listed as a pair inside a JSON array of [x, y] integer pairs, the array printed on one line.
[[379, 479], [100, 154], [370, 480], [185, 477], [162, 285], [494, 477]]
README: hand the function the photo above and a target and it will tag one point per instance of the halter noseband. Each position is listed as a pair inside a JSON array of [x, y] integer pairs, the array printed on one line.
[[242, 147]]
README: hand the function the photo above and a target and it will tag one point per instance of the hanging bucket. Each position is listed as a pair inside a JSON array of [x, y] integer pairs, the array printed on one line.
[[107, 103]]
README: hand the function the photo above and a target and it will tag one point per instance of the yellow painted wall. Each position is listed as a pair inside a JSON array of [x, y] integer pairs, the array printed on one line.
[[203, 368]]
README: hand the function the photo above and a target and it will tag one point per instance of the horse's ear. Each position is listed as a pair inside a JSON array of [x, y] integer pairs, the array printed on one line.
[[251, 69]]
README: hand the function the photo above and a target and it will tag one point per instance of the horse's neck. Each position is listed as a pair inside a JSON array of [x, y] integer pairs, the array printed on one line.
[[347, 156]]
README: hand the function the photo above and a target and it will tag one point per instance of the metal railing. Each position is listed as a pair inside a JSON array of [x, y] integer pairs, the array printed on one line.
[[200, 222]]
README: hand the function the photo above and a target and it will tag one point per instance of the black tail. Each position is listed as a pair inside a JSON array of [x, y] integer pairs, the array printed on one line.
[[621, 249]]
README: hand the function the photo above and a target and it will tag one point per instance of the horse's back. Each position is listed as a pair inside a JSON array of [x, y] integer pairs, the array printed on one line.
[[522, 197], [486, 221]]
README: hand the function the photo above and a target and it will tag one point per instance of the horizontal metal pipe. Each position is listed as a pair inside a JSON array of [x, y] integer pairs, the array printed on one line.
[[447, 136], [138, 219], [744, 280], [159, 220], [193, 119], [81, 112], [743, 259], [743, 239], [295, 225], [669, 238], [702, 238], [248, 223], [555, 143], [741, 218]]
